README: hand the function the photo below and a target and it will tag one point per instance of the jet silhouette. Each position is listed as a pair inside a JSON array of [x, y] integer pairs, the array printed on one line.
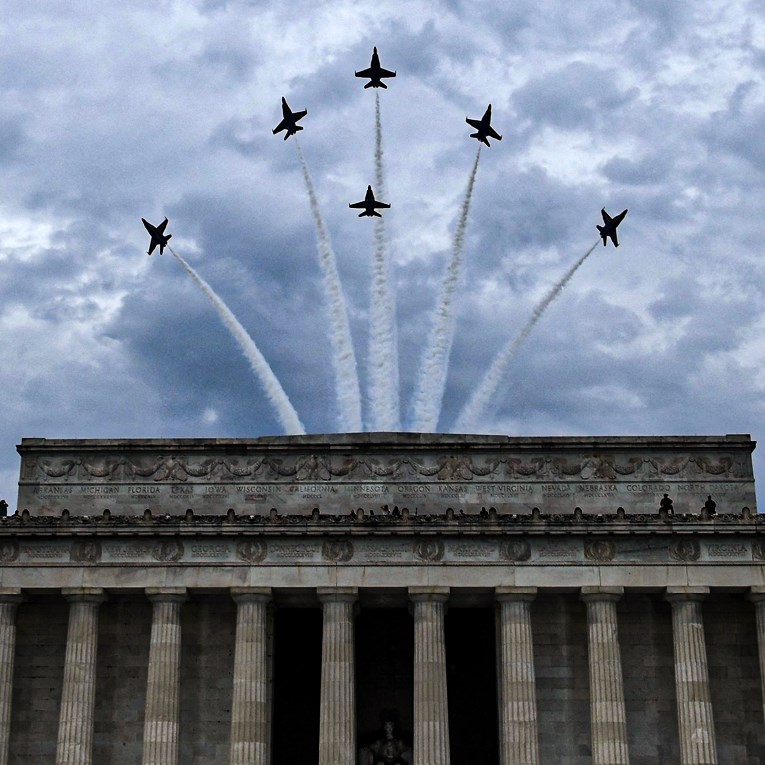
[[370, 205], [375, 73], [158, 236], [483, 128], [610, 228], [289, 120]]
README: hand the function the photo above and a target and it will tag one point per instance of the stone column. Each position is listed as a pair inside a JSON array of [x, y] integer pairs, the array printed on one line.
[[518, 737], [9, 600], [431, 713], [337, 710], [694, 708], [250, 715], [757, 596], [608, 722], [75, 722], [160, 727]]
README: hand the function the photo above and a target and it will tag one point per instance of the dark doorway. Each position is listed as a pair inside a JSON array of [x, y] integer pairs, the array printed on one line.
[[384, 673], [297, 685], [471, 674]]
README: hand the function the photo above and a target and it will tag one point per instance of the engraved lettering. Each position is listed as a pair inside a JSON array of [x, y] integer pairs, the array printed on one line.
[[99, 490], [726, 550], [292, 550], [44, 551], [209, 551], [128, 551], [472, 551]]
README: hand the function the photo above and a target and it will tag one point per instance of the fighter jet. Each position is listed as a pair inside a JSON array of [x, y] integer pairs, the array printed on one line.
[[484, 128], [370, 205], [375, 73], [289, 120], [610, 228], [158, 236]]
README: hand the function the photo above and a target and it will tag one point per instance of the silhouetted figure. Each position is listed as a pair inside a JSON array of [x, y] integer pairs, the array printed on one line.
[[3, 507], [387, 750], [666, 505], [710, 506]]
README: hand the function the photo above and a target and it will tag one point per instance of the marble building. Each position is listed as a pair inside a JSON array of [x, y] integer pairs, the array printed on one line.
[[379, 598]]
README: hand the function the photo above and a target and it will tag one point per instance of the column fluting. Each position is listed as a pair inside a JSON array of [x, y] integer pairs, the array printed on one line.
[[9, 600], [337, 731], [519, 737], [160, 728], [250, 715], [608, 722], [757, 596], [431, 713], [75, 725], [694, 707]]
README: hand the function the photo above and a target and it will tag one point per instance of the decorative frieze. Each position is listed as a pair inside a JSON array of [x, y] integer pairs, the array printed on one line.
[[339, 474]]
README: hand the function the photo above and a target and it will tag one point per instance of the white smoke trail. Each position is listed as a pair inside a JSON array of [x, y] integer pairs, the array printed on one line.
[[285, 412], [477, 405], [432, 381], [343, 357], [383, 341]]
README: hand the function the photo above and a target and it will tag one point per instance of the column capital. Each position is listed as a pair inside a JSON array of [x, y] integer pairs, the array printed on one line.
[[167, 594], [756, 594], [11, 595], [337, 594], [429, 594], [512, 594], [251, 594], [601, 594], [84, 594], [681, 594]]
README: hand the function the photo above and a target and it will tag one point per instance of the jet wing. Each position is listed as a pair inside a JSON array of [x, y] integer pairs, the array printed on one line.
[[162, 226], [492, 133], [281, 126], [151, 229], [299, 115], [473, 123], [364, 73], [381, 205], [606, 216], [358, 205], [385, 73]]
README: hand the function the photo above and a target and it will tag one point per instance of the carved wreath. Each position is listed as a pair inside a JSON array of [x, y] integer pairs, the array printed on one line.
[[516, 551], [429, 550], [685, 549], [252, 550], [85, 551], [168, 551], [599, 549], [337, 550]]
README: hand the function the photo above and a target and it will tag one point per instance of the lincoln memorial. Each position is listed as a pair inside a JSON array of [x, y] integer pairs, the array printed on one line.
[[383, 599]]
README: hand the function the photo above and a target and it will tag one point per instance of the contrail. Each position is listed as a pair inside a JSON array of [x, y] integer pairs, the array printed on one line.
[[476, 407], [285, 412], [435, 360], [383, 341], [344, 360]]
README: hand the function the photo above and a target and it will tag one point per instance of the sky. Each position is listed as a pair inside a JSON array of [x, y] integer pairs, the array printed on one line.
[[114, 111]]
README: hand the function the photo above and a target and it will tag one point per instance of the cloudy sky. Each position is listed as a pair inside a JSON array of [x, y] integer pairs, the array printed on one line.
[[112, 111]]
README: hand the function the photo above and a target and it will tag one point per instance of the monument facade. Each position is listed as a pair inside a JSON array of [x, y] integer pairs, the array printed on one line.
[[383, 598]]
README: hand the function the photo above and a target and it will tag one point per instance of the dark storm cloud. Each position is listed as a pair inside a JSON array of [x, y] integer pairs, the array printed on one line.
[[575, 96], [112, 113]]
